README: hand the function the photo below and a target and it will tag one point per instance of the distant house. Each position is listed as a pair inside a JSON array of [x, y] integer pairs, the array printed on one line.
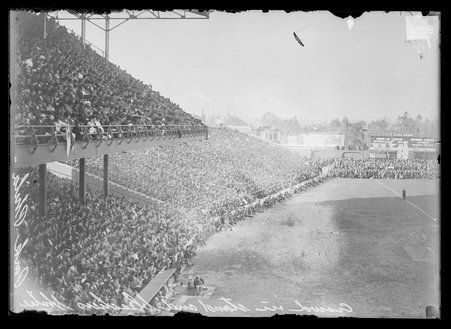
[[269, 133]]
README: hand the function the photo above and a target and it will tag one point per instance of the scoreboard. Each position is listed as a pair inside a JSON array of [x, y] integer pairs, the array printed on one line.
[[396, 143]]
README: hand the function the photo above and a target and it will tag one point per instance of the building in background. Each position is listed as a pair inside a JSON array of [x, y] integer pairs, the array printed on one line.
[[292, 140], [218, 122], [323, 140], [267, 133]]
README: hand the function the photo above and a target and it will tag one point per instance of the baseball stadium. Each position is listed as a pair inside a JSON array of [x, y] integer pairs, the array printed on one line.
[[123, 203]]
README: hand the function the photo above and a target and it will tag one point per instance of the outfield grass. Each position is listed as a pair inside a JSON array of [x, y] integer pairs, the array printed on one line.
[[350, 241]]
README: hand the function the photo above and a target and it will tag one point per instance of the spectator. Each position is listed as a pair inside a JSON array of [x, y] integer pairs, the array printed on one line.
[[198, 282]]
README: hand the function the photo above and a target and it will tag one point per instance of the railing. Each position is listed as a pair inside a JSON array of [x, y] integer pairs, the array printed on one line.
[[36, 135]]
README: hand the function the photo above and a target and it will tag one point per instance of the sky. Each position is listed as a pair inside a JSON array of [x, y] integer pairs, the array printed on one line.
[[249, 63]]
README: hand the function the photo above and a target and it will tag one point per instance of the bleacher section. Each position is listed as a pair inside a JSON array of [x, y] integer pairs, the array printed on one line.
[[68, 102], [58, 79], [95, 182]]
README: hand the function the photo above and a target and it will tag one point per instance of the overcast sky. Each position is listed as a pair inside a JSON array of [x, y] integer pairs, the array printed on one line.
[[249, 63]]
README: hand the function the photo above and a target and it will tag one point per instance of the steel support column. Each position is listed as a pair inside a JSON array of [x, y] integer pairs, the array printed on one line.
[[82, 181], [107, 37], [83, 30], [105, 174], [42, 190]]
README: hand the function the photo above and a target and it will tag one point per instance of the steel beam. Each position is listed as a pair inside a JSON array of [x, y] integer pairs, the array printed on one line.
[[24, 156], [125, 18]]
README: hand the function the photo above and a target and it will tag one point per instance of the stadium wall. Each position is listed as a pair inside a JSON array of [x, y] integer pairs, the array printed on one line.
[[328, 154]]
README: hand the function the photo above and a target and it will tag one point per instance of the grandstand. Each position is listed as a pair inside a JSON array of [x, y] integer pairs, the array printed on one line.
[[71, 105]]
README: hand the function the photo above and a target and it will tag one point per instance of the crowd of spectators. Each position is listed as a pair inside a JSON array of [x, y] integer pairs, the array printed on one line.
[[106, 246], [61, 82], [212, 177], [382, 168], [111, 245]]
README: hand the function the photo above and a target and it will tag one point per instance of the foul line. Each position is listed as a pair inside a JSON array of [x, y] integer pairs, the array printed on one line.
[[434, 219]]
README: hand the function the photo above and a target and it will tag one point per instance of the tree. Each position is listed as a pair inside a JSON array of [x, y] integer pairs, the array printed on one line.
[[418, 124], [290, 125], [269, 119], [428, 129], [354, 135], [231, 120], [345, 121], [345, 130], [405, 124], [380, 124], [335, 124]]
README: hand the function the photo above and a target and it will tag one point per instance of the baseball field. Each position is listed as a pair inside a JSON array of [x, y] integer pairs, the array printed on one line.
[[348, 247]]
